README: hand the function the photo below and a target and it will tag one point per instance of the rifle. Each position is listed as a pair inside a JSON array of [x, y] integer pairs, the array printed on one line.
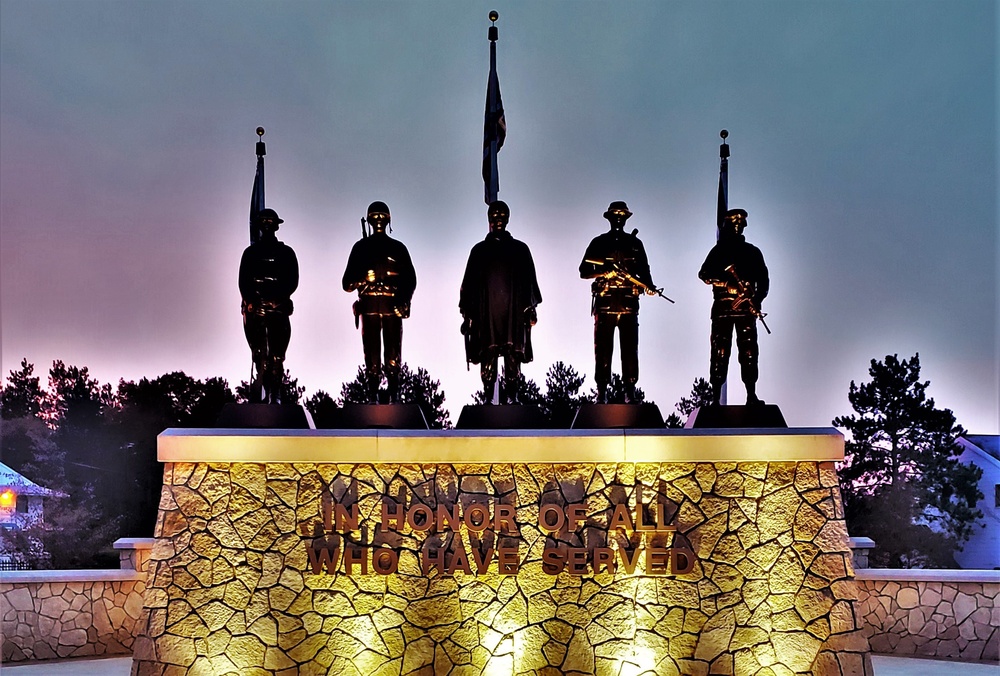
[[744, 297], [621, 271]]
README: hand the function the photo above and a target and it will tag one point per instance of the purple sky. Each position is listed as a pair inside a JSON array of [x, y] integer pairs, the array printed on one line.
[[864, 147]]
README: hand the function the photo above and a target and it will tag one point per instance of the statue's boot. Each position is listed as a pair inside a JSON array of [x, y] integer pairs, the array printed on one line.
[[373, 378], [630, 394], [392, 386], [602, 393], [752, 398], [717, 393], [489, 386]]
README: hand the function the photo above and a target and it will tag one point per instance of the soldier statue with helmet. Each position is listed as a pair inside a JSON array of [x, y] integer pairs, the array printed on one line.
[[269, 274], [379, 268], [617, 263], [736, 270], [497, 301]]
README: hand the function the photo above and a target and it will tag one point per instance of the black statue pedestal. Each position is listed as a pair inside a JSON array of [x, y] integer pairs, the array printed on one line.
[[265, 416], [377, 416], [617, 416], [759, 415], [501, 417]]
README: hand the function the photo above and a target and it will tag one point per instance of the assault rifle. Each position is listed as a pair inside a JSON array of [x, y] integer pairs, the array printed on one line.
[[744, 297], [620, 271]]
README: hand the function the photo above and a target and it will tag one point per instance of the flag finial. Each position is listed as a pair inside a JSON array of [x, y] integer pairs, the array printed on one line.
[[493, 35], [260, 131]]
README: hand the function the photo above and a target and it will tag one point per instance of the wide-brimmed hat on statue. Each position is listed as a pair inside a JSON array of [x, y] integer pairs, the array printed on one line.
[[617, 206]]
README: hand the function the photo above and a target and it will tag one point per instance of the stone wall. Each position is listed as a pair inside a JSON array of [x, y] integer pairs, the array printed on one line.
[[232, 587], [934, 613], [48, 614]]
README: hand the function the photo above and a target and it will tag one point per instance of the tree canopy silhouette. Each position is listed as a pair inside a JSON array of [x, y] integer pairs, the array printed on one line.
[[415, 387], [901, 480]]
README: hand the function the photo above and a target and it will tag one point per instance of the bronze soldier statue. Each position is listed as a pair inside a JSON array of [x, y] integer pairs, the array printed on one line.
[[617, 263], [736, 270], [498, 298], [269, 273], [379, 267]]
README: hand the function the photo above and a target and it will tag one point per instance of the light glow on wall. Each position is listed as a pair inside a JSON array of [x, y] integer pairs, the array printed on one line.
[[7, 498]]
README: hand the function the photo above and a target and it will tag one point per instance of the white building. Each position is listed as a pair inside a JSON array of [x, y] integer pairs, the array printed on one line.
[[983, 548], [21, 499]]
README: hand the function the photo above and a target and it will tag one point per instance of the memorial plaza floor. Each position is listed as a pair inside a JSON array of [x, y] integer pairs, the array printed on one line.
[[884, 666]]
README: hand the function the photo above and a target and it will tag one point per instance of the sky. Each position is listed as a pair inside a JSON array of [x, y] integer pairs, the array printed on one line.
[[863, 138]]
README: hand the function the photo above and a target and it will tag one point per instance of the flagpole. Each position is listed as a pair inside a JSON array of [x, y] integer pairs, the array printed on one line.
[[723, 207], [257, 196], [492, 140]]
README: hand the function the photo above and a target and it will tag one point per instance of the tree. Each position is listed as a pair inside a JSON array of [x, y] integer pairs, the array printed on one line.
[[144, 409], [290, 394], [414, 388], [701, 395], [22, 396], [616, 392], [322, 407], [901, 480], [562, 394]]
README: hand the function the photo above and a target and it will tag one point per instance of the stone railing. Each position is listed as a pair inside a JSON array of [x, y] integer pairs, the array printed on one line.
[[51, 614], [952, 614]]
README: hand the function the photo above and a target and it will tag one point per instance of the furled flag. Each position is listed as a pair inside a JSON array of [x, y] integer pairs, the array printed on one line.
[[257, 196], [723, 206], [494, 129]]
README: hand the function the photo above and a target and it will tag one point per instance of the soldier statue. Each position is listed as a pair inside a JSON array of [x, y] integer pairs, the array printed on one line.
[[269, 273], [379, 267], [617, 263], [736, 270], [498, 298]]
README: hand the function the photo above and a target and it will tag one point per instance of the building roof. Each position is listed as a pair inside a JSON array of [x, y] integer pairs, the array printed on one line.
[[22, 485], [990, 443]]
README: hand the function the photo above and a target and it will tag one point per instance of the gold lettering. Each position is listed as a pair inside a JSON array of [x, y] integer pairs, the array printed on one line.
[[323, 558], [629, 562], [604, 557], [543, 518], [507, 560], [553, 560], [482, 561], [420, 510], [620, 519], [347, 520], [577, 560], [656, 561], [676, 555], [477, 511], [430, 559], [448, 520], [355, 556], [385, 561], [460, 560], [503, 519], [395, 514]]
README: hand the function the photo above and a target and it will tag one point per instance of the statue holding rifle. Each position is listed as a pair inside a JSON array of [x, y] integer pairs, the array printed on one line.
[[379, 268], [617, 263], [736, 270], [269, 274]]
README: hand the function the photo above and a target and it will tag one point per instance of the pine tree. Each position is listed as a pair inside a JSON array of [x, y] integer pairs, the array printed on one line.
[[701, 395], [901, 480], [415, 387]]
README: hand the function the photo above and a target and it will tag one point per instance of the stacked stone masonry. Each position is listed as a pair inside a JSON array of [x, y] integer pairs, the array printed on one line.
[[232, 591], [945, 619], [47, 620]]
